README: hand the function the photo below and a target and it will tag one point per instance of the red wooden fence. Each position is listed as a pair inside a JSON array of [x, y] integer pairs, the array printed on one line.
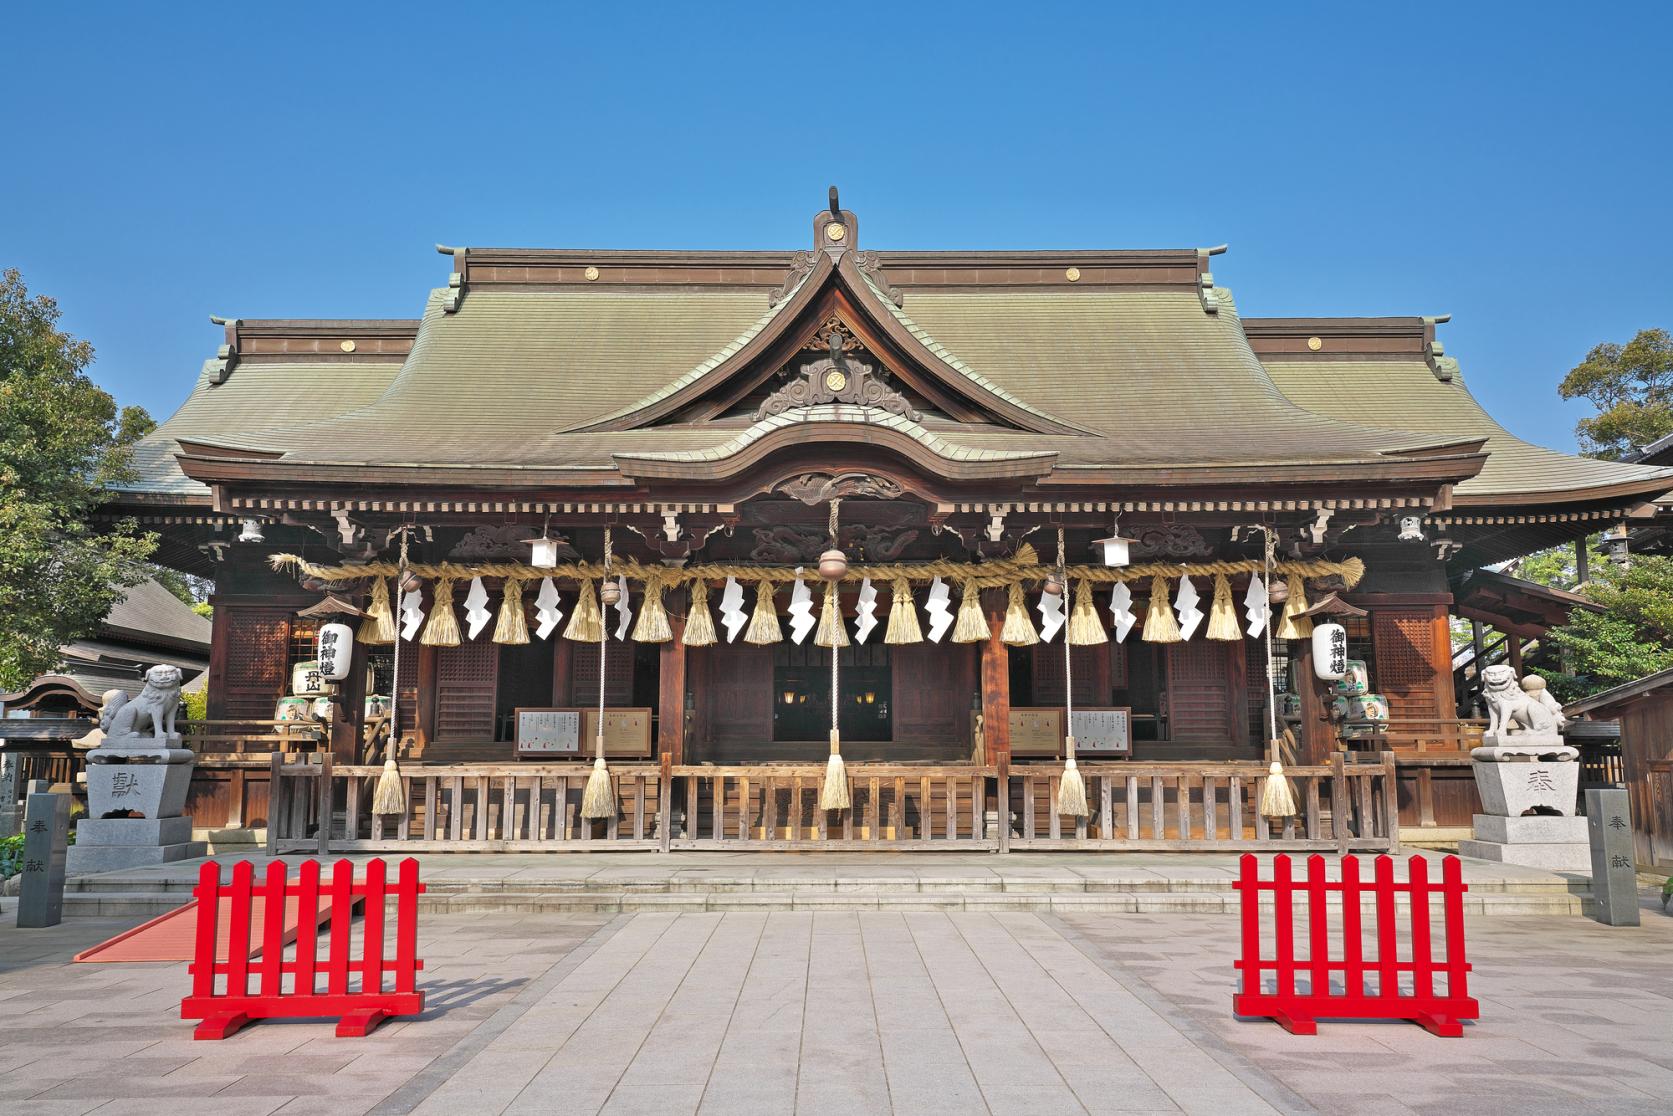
[[226, 1007], [1371, 987]]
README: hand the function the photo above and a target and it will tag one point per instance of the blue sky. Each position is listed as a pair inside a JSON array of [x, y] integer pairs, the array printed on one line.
[[1508, 164]]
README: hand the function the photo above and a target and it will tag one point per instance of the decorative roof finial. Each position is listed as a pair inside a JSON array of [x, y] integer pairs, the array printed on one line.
[[836, 206]]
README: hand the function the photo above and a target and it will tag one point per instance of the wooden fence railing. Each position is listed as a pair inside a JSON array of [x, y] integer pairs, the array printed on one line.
[[1431, 734], [1343, 806], [324, 808], [776, 806], [251, 738]]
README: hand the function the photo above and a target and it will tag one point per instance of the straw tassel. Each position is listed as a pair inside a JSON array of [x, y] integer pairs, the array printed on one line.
[[831, 632], [700, 623], [1277, 799], [1019, 630], [1222, 617], [903, 615], [599, 801], [391, 794], [512, 625], [763, 625], [1160, 625], [586, 625], [442, 629], [1294, 625], [833, 795], [653, 626], [379, 626], [1071, 788], [1085, 629], [971, 626]]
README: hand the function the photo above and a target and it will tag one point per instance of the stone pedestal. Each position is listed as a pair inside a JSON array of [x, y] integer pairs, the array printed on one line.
[[150, 782], [1539, 841], [1529, 783]]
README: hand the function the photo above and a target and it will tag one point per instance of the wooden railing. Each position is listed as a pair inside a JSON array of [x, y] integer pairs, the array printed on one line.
[[254, 738], [1431, 734], [320, 807], [776, 806], [1343, 806], [462, 808]]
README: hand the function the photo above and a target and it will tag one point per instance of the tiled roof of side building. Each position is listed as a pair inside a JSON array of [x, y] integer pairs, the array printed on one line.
[[1390, 372], [271, 373]]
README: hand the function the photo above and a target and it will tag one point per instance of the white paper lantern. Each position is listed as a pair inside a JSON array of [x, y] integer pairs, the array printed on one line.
[[1330, 651], [1115, 550], [545, 554], [335, 645]]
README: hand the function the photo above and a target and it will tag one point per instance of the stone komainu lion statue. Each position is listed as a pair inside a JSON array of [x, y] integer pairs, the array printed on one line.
[[1511, 709], [156, 705]]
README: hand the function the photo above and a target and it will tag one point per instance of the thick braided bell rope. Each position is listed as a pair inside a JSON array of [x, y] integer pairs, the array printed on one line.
[[998, 573]]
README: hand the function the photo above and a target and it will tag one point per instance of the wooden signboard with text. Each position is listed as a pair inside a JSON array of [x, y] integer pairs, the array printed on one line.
[[1103, 731], [567, 732], [1036, 732]]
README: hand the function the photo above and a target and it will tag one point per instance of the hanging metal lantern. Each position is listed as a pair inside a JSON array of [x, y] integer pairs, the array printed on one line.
[[833, 564], [609, 594]]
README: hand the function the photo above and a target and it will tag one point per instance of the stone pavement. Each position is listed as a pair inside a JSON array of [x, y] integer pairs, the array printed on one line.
[[857, 1011]]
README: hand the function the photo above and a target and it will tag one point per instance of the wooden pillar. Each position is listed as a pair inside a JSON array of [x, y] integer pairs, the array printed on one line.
[[349, 709], [220, 626], [1316, 739], [428, 662], [563, 671], [996, 682], [671, 694], [1513, 647]]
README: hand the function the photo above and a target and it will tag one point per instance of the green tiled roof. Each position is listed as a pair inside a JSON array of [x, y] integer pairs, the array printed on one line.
[[254, 397], [1406, 394]]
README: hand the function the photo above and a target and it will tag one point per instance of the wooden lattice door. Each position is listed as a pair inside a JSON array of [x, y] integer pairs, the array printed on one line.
[[1407, 644], [618, 674], [466, 678], [257, 645], [1202, 705]]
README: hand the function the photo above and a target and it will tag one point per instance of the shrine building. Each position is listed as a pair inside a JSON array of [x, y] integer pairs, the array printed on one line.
[[941, 419]]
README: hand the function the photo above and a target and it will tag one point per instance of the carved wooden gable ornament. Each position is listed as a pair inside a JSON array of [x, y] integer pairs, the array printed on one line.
[[842, 375]]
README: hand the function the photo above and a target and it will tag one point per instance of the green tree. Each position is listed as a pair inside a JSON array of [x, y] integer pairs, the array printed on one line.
[[1631, 637], [1631, 385], [62, 440]]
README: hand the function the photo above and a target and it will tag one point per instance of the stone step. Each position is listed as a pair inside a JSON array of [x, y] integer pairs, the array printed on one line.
[[182, 884], [152, 903]]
